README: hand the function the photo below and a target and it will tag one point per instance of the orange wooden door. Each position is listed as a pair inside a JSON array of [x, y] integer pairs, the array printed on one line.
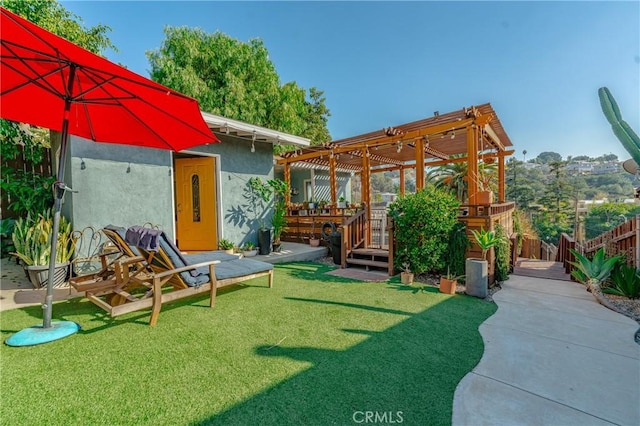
[[196, 225]]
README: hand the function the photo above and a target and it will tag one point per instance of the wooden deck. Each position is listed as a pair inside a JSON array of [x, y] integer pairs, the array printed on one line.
[[541, 269]]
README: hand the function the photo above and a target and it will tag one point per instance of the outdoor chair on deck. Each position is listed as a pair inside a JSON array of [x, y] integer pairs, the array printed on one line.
[[169, 275]]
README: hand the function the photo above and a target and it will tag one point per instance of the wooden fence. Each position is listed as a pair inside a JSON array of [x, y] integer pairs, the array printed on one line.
[[621, 240], [21, 163], [534, 248]]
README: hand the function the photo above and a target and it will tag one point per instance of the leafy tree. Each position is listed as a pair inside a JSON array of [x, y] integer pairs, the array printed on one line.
[[52, 16], [607, 157], [237, 80], [380, 182], [27, 191], [606, 216], [548, 157], [581, 158]]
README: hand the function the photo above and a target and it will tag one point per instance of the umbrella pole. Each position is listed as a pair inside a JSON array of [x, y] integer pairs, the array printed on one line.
[[49, 331], [59, 188]]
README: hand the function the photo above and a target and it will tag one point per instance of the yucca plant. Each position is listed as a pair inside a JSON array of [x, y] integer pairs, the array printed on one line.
[[626, 281], [595, 270], [486, 240], [32, 240]]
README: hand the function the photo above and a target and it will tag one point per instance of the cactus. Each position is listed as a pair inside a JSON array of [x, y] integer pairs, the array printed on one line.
[[628, 138]]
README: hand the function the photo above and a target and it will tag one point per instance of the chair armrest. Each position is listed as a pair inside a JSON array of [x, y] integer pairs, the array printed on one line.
[[185, 268], [130, 260]]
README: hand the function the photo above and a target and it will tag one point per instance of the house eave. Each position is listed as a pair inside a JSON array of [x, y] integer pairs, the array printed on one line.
[[230, 126]]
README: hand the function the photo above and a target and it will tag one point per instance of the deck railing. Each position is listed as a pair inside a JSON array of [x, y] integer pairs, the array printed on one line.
[[564, 255], [354, 234]]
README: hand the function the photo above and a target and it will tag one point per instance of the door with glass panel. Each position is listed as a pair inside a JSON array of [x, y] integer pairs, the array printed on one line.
[[196, 222]]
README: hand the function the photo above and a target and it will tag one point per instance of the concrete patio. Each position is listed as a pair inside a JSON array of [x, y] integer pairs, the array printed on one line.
[[553, 356]]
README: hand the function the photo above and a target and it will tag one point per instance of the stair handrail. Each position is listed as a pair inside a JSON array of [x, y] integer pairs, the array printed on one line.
[[348, 234]]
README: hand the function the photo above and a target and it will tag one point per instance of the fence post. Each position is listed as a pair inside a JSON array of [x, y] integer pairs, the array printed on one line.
[[637, 241]]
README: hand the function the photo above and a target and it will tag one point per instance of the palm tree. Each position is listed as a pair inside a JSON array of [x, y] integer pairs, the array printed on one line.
[[453, 177]]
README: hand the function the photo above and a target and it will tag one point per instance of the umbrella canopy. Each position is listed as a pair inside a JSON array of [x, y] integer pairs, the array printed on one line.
[[50, 82], [108, 103]]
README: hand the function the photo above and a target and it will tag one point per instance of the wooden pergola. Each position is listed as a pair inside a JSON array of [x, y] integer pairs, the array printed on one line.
[[467, 135]]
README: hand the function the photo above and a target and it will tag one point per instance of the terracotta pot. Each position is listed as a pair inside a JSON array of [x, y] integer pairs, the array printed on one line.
[[406, 278], [484, 197], [314, 242], [448, 286]]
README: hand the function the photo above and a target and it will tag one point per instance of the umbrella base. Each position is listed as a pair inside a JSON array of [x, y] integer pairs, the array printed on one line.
[[38, 334]]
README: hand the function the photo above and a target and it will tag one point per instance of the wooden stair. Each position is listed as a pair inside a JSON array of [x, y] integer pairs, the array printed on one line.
[[369, 257]]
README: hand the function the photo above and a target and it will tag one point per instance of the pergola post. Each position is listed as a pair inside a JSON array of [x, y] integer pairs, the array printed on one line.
[[472, 162], [401, 181], [287, 179], [501, 180], [333, 178], [366, 191], [419, 142]]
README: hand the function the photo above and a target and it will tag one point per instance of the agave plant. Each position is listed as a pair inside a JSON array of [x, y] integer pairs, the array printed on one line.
[[486, 240], [626, 281], [595, 270]]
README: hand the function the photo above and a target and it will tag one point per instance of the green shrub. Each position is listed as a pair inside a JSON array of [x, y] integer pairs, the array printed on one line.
[[455, 255], [625, 280], [503, 254], [422, 224]]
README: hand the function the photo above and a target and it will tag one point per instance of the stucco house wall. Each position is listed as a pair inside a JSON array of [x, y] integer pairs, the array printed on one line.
[[125, 185]]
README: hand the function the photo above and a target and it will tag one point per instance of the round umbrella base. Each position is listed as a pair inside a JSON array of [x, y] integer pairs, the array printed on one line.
[[38, 334]]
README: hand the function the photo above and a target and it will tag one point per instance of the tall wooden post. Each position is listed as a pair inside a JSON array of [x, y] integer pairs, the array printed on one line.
[[501, 180], [472, 162], [287, 179], [366, 192], [401, 181], [419, 163], [333, 178]]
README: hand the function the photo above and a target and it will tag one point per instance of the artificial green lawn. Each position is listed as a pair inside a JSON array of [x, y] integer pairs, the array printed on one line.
[[314, 349]]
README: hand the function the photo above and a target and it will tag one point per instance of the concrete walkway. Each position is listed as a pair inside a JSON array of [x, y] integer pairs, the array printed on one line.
[[553, 356]]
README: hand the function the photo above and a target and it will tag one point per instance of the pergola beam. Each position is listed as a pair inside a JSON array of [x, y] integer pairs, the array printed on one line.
[[385, 140], [494, 139], [443, 162]]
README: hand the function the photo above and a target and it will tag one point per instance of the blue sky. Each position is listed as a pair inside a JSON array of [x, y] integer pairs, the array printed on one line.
[[539, 64]]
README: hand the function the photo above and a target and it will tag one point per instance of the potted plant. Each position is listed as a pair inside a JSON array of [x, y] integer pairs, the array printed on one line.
[[249, 249], [477, 276], [312, 205], [226, 246], [32, 241], [260, 193], [406, 276], [342, 203], [279, 219], [449, 282]]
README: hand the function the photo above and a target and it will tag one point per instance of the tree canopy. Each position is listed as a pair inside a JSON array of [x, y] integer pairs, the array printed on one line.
[[52, 16], [238, 80]]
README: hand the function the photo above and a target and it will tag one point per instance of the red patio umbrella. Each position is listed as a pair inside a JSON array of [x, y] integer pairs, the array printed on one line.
[[50, 82]]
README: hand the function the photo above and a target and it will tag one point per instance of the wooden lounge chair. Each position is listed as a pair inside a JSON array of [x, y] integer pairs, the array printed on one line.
[[117, 276], [170, 275]]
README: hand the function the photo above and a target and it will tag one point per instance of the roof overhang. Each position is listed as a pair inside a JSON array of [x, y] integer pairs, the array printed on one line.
[[233, 127]]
